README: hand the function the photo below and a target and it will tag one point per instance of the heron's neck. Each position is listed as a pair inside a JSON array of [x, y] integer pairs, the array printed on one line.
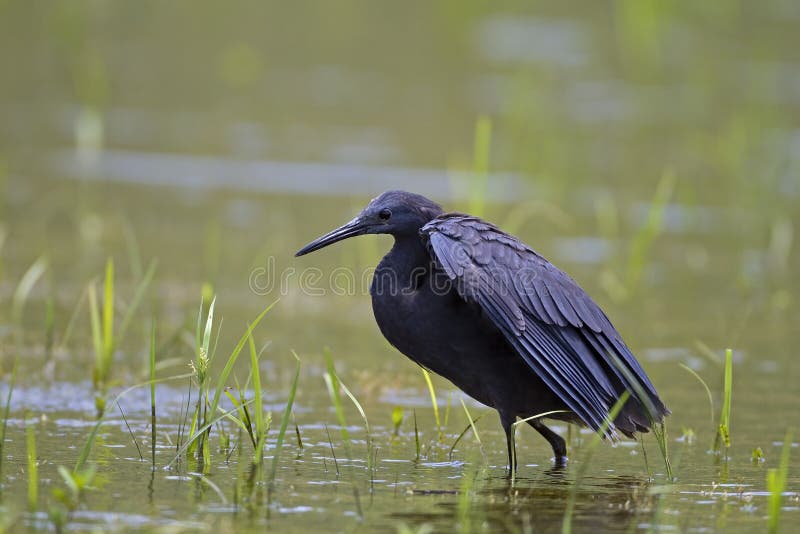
[[405, 262], [409, 251]]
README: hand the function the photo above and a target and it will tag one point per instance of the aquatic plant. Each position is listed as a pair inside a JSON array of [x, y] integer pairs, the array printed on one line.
[[705, 387], [434, 404], [334, 383], [33, 466], [206, 407], [470, 426], [287, 411], [104, 337], [152, 367], [723, 436], [397, 420], [262, 423]]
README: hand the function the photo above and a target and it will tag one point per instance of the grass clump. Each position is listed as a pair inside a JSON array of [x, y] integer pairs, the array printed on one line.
[[105, 338], [102, 333], [205, 414], [262, 423]]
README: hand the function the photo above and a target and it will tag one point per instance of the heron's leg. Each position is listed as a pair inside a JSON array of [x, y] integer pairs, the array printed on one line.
[[555, 441], [508, 426]]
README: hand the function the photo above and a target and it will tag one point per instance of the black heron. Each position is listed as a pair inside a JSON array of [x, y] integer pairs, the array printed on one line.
[[462, 298]]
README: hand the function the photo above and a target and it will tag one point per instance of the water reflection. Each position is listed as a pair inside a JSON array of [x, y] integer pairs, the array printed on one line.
[[607, 504]]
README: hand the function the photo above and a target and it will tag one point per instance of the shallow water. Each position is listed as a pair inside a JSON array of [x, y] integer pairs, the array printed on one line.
[[119, 142]]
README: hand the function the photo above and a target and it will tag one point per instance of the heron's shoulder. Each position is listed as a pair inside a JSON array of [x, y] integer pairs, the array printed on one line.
[[470, 229], [453, 221]]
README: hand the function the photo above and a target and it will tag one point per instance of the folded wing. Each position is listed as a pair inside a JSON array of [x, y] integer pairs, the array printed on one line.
[[553, 325]]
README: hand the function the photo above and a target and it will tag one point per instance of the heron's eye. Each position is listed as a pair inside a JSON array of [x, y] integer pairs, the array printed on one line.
[[384, 215]]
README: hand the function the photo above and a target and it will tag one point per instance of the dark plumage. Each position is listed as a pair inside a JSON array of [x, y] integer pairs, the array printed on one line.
[[466, 300]]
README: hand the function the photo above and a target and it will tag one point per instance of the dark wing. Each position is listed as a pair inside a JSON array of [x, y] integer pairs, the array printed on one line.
[[548, 319]]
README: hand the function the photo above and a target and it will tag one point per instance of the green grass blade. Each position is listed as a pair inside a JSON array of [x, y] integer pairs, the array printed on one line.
[[141, 289], [285, 421], [258, 406], [416, 435], [435, 405], [644, 238], [777, 482], [538, 416], [366, 423], [226, 371], [397, 419], [87, 446], [703, 382], [201, 431], [358, 407], [470, 426], [108, 312], [209, 327], [650, 411], [6, 412], [49, 326], [97, 334], [69, 479], [332, 383], [73, 319], [198, 330], [153, 392], [33, 468], [724, 428], [25, 286]]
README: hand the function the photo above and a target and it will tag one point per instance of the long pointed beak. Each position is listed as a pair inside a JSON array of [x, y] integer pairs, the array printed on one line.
[[353, 228]]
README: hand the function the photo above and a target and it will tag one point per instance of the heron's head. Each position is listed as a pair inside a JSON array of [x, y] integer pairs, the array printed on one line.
[[394, 212]]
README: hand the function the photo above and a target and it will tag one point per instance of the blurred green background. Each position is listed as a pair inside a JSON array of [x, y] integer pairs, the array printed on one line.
[[649, 148]]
